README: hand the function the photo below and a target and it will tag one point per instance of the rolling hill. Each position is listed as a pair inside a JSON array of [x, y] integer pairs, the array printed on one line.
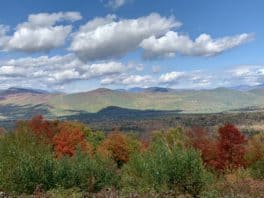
[[16, 102]]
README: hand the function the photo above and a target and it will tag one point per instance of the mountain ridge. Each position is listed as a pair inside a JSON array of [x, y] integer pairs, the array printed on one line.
[[153, 98]]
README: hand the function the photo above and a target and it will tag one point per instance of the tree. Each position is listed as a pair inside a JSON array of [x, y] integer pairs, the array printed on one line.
[[173, 137], [2, 132], [201, 141], [69, 138], [231, 148], [117, 146], [255, 149], [43, 128]]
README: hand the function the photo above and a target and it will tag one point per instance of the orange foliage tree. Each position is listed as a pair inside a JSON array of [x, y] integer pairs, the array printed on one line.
[[65, 137], [68, 139], [118, 146]]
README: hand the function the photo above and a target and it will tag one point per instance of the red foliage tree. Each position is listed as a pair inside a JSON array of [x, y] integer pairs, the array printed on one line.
[[69, 138], [43, 128], [200, 140], [231, 148]]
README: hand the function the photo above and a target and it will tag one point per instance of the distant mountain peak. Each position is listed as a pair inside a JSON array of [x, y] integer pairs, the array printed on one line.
[[157, 89], [102, 90], [18, 90], [149, 89]]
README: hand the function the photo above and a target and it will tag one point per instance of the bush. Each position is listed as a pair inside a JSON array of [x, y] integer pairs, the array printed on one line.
[[86, 173], [26, 163], [257, 169], [162, 168], [255, 149]]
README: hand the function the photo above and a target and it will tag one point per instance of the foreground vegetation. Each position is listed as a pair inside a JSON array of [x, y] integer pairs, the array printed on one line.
[[67, 159]]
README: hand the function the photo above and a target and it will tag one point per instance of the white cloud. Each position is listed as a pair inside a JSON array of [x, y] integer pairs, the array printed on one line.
[[40, 32], [104, 38], [55, 71], [172, 43], [116, 3], [174, 79], [58, 71], [109, 68], [248, 74], [137, 80], [129, 80], [171, 77], [3, 36], [46, 19], [194, 79], [97, 22], [137, 66]]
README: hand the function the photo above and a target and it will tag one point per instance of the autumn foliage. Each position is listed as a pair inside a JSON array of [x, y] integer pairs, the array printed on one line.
[[68, 139], [227, 151], [231, 147], [43, 128], [65, 137], [45, 153], [116, 145], [255, 149], [201, 140]]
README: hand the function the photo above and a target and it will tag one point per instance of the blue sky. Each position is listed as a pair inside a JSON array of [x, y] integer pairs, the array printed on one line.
[[81, 45]]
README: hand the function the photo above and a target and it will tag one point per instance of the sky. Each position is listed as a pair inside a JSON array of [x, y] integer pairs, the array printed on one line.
[[80, 45]]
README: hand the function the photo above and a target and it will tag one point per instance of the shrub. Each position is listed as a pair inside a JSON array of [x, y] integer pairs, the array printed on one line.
[[174, 137], [257, 169], [62, 193], [27, 163], [255, 149], [162, 168], [86, 173], [243, 187]]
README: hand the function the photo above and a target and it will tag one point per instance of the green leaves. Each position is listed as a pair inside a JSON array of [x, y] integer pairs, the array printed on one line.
[[163, 168]]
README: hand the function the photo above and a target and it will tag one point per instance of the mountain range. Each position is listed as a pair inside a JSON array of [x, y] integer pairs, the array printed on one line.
[[21, 103]]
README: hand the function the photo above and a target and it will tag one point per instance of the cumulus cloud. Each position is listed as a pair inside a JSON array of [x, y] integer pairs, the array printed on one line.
[[103, 38], [194, 79], [46, 19], [128, 80], [56, 70], [103, 69], [171, 77], [248, 74], [172, 43], [40, 32]]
